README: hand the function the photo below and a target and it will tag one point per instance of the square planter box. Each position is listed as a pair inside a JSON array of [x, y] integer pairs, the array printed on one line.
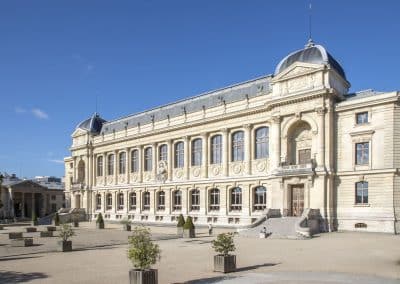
[[65, 246], [189, 233], [23, 242], [100, 225], [46, 234], [224, 263], [179, 231], [76, 224], [137, 276], [51, 228], [31, 229], [127, 227], [1, 227], [15, 235]]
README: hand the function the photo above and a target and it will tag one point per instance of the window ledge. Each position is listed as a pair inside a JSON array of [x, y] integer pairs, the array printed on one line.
[[362, 205]]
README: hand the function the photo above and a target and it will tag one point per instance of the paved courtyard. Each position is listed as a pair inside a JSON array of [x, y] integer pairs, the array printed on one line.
[[100, 257]]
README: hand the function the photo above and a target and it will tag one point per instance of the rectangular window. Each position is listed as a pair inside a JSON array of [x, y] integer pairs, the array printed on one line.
[[148, 156], [196, 152], [238, 146], [362, 153], [362, 117], [362, 192], [53, 207], [216, 149], [135, 161], [179, 155], [53, 197]]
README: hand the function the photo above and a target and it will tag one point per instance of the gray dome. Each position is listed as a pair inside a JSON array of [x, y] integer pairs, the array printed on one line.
[[316, 54], [92, 124]]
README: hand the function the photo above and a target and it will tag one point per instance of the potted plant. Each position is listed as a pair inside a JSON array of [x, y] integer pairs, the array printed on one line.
[[143, 253], [66, 233], [127, 224], [188, 228], [34, 219], [56, 219], [224, 262], [100, 221], [179, 226]]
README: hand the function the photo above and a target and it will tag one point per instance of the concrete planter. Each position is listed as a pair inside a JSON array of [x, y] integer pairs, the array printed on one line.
[[179, 231], [138, 276], [127, 227], [47, 234], [100, 225], [15, 235], [1, 227], [22, 242], [65, 246], [76, 224], [189, 233], [51, 228], [31, 229], [224, 263]]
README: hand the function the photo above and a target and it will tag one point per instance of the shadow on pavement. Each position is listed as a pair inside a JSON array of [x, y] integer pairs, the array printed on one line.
[[19, 277], [246, 268], [17, 258], [208, 280]]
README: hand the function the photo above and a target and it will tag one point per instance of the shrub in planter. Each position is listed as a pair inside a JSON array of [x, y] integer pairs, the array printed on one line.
[[127, 224], [66, 233], [34, 219], [56, 219], [188, 228], [179, 226], [224, 262], [100, 221], [143, 253]]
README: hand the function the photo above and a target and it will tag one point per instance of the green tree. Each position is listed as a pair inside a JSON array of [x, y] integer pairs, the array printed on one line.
[[66, 232], [99, 219], [181, 221], [142, 251], [224, 243], [188, 224]]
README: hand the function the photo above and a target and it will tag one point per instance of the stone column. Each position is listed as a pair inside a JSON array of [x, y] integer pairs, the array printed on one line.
[[95, 169], [104, 203], [115, 201], [247, 147], [225, 151], [33, 203], [204, 155], [88, 173], [23, 205], [186, 154], [321, 138], [127, 166], [154, 162], [140, 164], [276, 142], [170, 160], [74, 170]]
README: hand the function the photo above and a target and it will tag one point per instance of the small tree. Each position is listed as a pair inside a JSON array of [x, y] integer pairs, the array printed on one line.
[[66, 232], [188, 224], [142, 251], [57, 219], [100, 219], [224, 243], [181, 221]]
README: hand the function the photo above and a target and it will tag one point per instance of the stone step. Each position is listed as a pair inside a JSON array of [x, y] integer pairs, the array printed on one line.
[[283, 227]]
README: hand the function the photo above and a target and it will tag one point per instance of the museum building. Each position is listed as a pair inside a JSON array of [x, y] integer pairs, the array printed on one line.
[[290, 141]]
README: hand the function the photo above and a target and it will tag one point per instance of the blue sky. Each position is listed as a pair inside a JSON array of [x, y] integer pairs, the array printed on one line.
[[57, 57]]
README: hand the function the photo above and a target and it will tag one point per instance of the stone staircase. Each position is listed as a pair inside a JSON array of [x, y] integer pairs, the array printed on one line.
[[280, 227]]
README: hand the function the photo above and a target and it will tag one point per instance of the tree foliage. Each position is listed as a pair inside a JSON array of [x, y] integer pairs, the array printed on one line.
[[188, 224], [142, 251], [181, 221], [224, 243], [66, 232], [99, 219]]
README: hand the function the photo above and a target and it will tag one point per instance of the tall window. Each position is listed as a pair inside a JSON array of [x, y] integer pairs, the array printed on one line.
[[216, 149], [109, 201], [260, 198], [146, 201], [362, 117], [132, 201], [362, 153], [195, 200], [98, 201], [100, 166], [122, 162], [362, 192], [236, 198], [161, 200], [163, 150], [238, 146], [110, 168], [148, 156], [120, 201], [262, 139], [177, 195], [179, 155], [196, 152], [135, 161], [214, 199]]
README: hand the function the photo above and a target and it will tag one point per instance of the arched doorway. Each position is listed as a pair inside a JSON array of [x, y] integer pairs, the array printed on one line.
[[299, 143], [78, 201]]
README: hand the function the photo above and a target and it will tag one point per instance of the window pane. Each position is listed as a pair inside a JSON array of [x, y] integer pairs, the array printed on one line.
[[163, 153], [238, 146], [122, 163], [362, 153], [100, 166], [148, 159], [196, 152], [179, 155], [216, 149], [134, 161], [111, 164], [262, 140], [362, 117]]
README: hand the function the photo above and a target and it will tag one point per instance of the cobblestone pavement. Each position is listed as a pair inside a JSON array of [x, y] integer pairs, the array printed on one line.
[[99, 256]]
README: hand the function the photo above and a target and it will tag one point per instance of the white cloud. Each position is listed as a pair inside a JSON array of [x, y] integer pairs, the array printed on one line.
[[19, 110], [56, 161], [39, 113]]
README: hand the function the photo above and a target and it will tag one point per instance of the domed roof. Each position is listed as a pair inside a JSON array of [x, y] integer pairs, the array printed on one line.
[[93, 124], [312, 53]]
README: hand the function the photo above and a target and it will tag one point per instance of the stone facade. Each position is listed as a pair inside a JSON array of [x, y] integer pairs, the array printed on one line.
[[322, 148]]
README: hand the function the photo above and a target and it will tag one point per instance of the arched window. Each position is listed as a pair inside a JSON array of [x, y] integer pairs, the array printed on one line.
[[148, 156], [109, 201], [216, 149], [135, 161], [261, 143], [238, 146], [98, 201], [177, 198], [132, 201], [146, 201], [161, 200], [195, 200], [81, 171], [122, 162], [236, 198], [110, 164], [260, 198], [214, 199], [163, 153], [100, 166], [196, 152], [120, 201], [179, 155]]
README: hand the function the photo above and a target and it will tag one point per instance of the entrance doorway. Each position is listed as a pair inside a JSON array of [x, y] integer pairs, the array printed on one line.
[[78, 201], [297, 200]]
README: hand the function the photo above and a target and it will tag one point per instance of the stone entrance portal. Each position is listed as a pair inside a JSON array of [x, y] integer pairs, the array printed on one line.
[[297, 200]]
